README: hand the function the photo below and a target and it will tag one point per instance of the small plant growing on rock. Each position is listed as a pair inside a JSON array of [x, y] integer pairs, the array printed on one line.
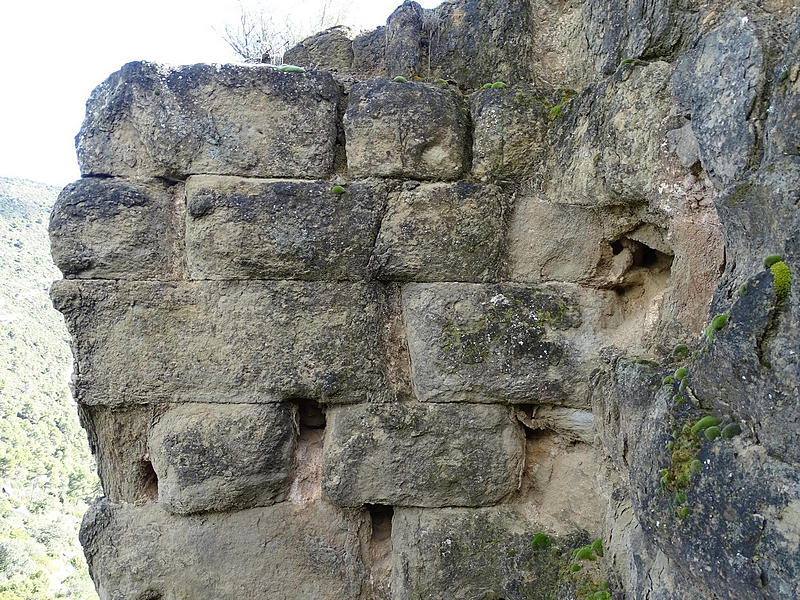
[[668, 380], [717, 323], [486, 86], [731, 430], [338, 190], [680, 373], [681, 351], [704, 423], [782, 278], [400, 79], [712, 433], [291, 69], [441, 82], [541, 541], [772, 259], [498, 85]]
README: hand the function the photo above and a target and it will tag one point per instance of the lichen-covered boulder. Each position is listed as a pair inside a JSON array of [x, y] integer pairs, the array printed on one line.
[[411, 130], [147, 120], [281, 551], [216, 457], [117, 229], [255, 341], [421, 455], [240, 228], [493, 343], [441, 232]]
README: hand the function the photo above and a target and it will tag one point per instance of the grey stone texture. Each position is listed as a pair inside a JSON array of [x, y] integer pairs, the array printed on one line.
[[146, 120], [116, 229], [216, 457], [282, 551], [262, 229], [421, 454], [411, 130], [254, 341], [441, 232]]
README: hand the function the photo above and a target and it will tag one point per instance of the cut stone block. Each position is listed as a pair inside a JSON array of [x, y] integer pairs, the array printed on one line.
[[281, 551], [250, 228], [116, 229], [509, 130], [421, 454], [148, 120], [254, 341], [477, 553], [409, 130], [441, 232], [493, 343], [216, 457]]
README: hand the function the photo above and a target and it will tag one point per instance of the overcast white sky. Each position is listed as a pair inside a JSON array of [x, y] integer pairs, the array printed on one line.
[[54, 52]]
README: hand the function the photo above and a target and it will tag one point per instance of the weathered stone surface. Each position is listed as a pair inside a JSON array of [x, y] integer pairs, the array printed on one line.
[[782, 132], [492, 343], [717, 83], [257, 229], [115, 229], [608, 143], [403, 53], [421, 455], [410, 130], [256, 341], [368, 54], [146, 120], [479, 553], [581, 252], [328, 50], [632, 29], [281, 551], [509, 135], [477, 41], [215, 457], [441, 232], [118, 441]]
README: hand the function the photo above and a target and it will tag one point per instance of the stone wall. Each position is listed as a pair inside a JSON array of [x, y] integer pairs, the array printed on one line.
[[344, 337]]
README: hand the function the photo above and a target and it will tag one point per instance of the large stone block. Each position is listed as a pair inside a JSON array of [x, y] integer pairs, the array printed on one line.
[[256, 341], [116, 229], [441, 232], [478, 553], [147, 120], [509, 130], [410, 130], [421, 454], [493, 343], [215, 457], [249, 228], [282, 551]]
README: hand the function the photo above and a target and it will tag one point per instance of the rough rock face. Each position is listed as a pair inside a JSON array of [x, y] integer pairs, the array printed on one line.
[[340, 336]]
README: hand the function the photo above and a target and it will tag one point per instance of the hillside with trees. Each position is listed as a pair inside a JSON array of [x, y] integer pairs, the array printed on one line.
[[47, 474]]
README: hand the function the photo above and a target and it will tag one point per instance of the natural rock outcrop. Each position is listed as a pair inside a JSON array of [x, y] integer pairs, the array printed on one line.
[[344, 336]]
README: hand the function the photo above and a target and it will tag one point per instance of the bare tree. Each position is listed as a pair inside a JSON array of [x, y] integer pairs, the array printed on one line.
[[260, 37]]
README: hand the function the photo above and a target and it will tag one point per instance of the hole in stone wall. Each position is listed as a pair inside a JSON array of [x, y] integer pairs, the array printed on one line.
[[307, 484], [380, 549], [310, 414], [149, 479]]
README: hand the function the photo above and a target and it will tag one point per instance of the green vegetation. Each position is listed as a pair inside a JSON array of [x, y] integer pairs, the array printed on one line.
[[441, 82], [400, 79], [772, 259], [704, 423], [782, 278], [45, 466], [291, 69], [486, 86], [541, 541], [680, 373], [338, 190], [731, 430], [498, 85], [717, 323], [681, 351]]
